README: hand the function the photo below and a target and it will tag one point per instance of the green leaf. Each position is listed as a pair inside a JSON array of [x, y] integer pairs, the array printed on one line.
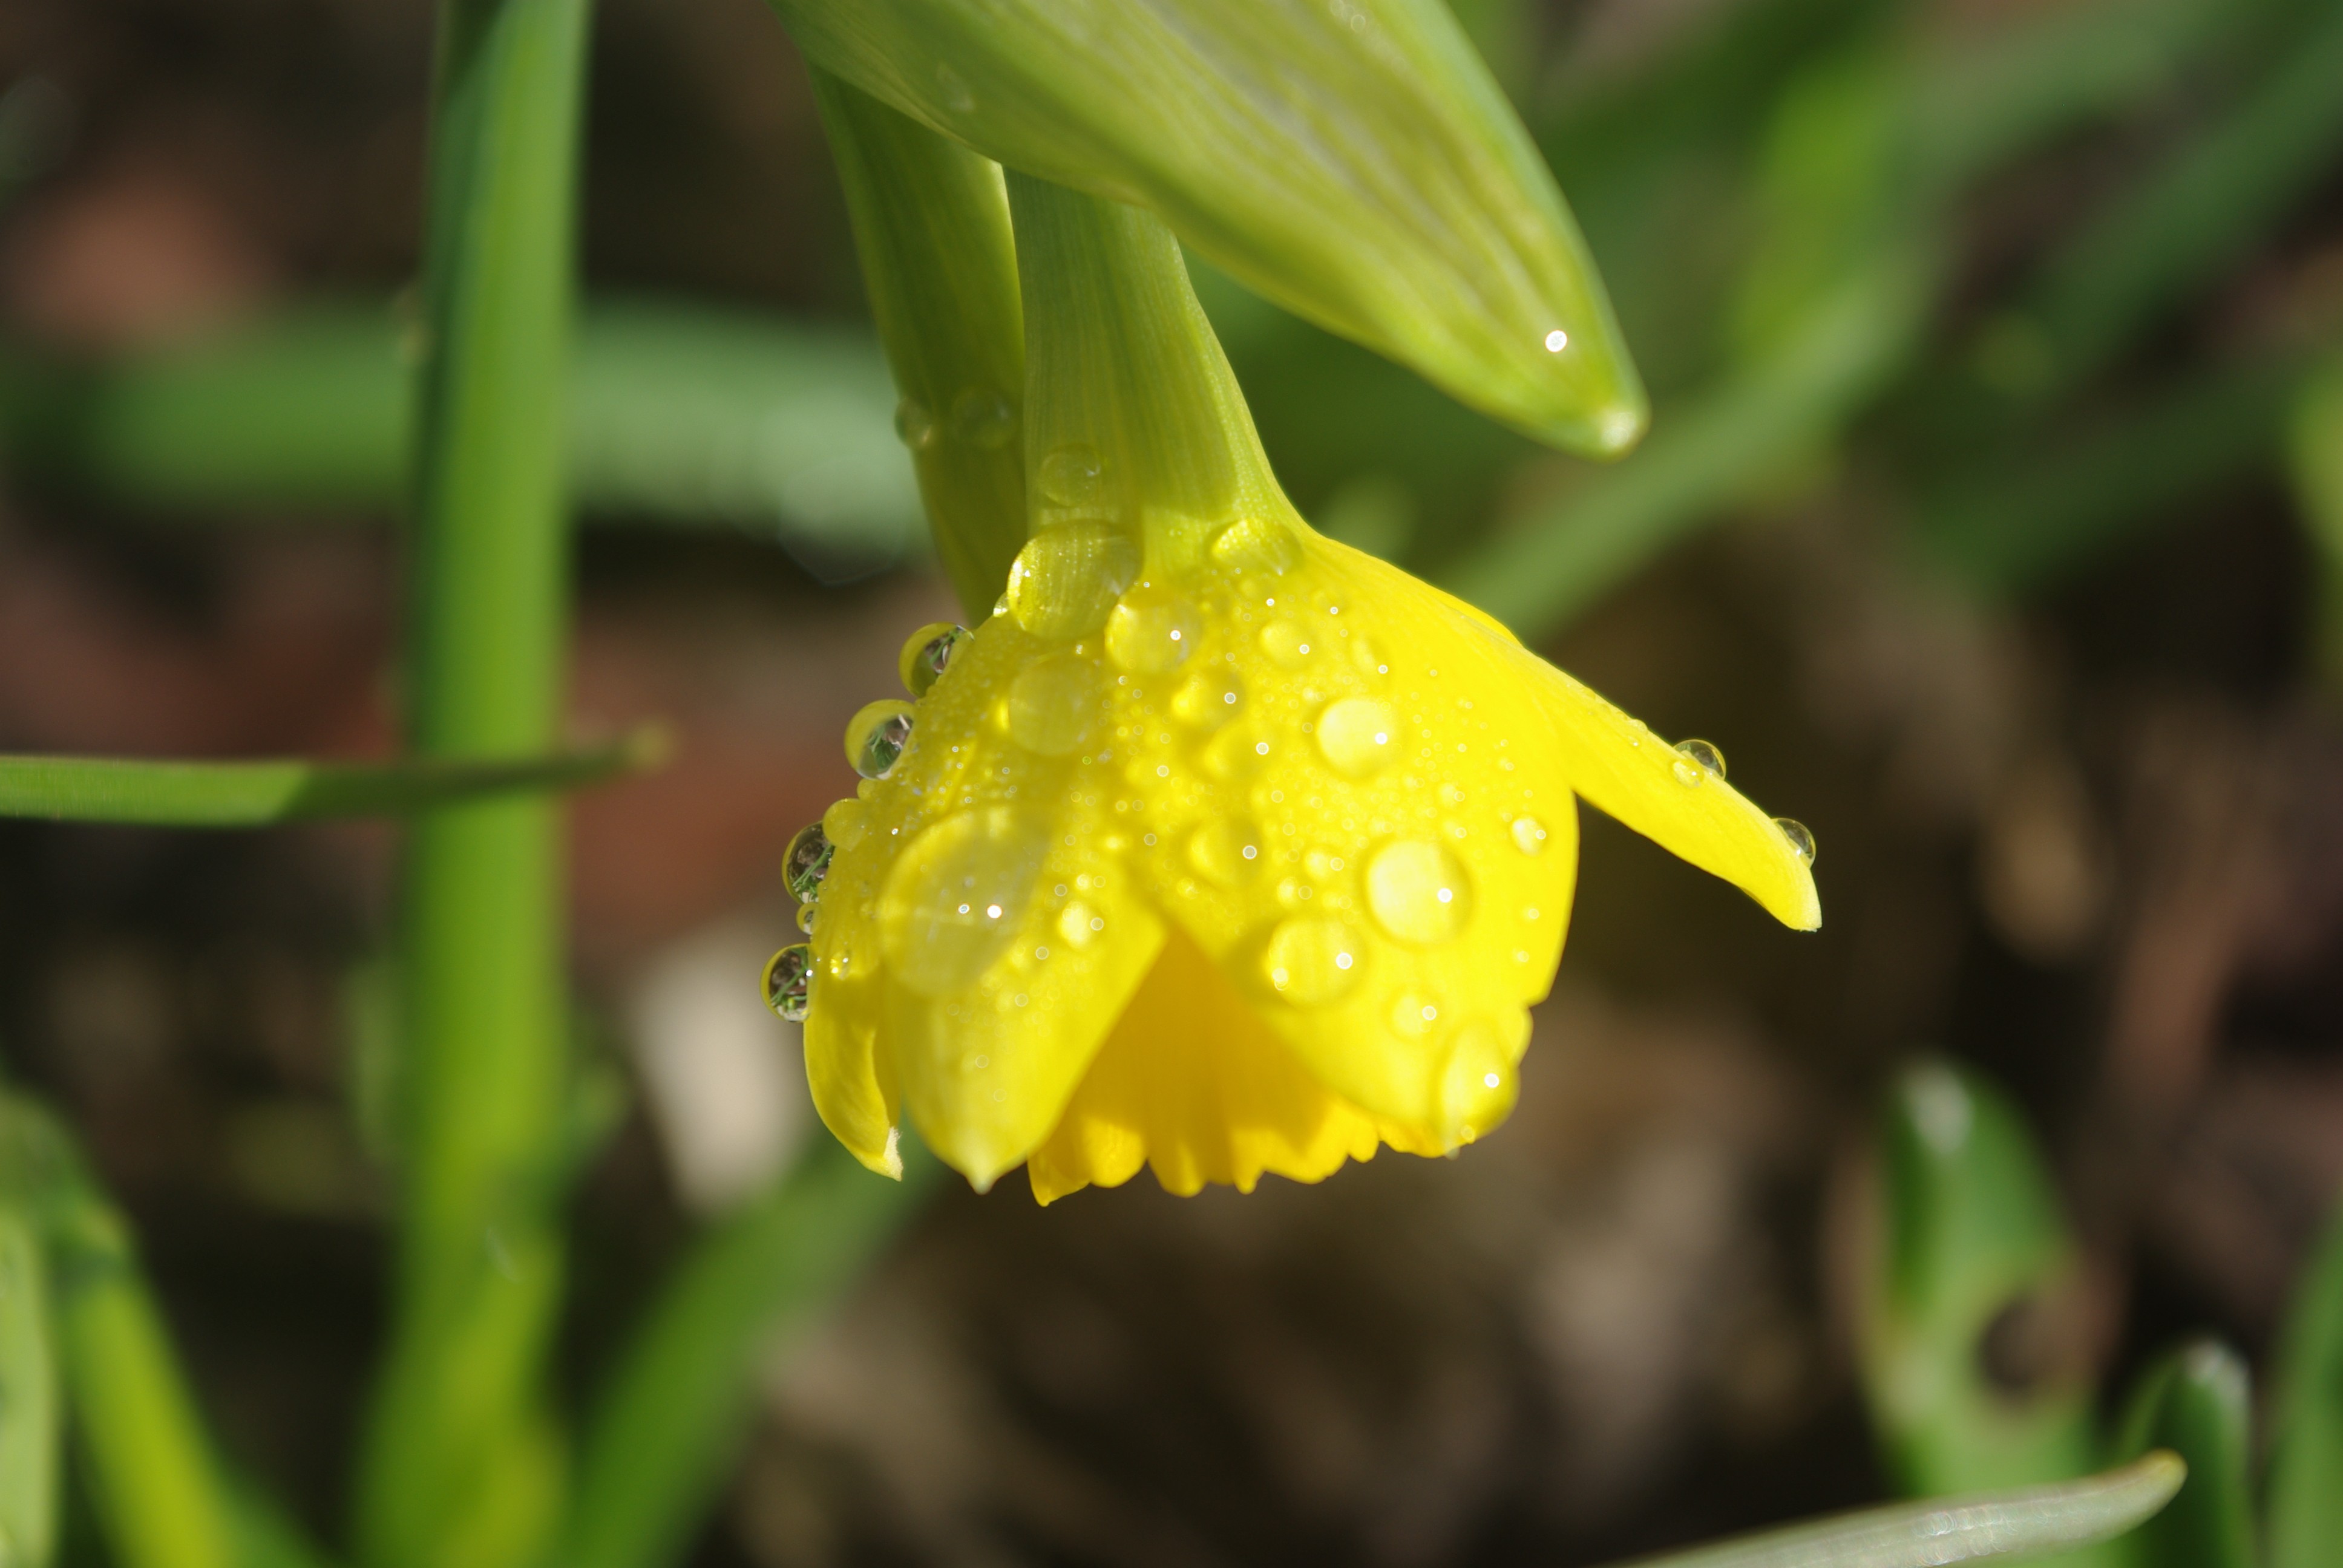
[[30, 1405], [931, 223], [2305, 1455], [1353, 162], [2195, 1400], [2315, 453], [2022, 1523], [1973, 1355], [255, 794], [674, 1411]]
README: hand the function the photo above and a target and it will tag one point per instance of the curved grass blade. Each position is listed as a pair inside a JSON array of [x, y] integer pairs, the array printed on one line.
[[2306, 1462], [2196, 1401], [1353, 162], [257, 794], [1944, 1530], [30, 1407]]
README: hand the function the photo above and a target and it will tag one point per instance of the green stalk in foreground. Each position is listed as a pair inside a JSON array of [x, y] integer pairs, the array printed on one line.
[[461, 1466]]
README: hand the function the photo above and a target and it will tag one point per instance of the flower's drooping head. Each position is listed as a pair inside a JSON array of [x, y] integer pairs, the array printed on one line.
[[1219, 847]]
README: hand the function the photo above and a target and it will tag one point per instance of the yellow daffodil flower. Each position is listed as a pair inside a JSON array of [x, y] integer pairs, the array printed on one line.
[[1220, 846]]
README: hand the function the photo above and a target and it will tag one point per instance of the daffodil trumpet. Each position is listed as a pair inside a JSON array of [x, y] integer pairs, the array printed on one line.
[[1219, 847]]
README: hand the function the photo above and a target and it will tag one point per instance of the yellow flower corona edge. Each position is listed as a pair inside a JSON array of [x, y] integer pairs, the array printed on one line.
[[1220, 846]]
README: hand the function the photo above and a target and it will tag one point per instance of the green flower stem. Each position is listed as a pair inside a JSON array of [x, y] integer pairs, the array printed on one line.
[[677, 1404], [255, 794], [2021, 1522], [931, 224], [2195, 1400], [29, 1400], [2305, 1455], [462, 1467]]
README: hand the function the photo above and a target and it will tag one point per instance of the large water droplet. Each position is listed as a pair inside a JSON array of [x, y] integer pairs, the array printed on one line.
[[1227, 850], [846, 822], [1801, 838], [1066, 580], [1478, 1084], [1151, 630], [807, 862], [1419, 891], [1073, 476], [914, 425], [1207, 699], [1257, 544], [1286, 643], [1529, 835], [928, 653], [983, 417], [876, 736], [1313, 960], [1702, 755], [788, 982], [1053, 702], [956, 895], [1359, 735]]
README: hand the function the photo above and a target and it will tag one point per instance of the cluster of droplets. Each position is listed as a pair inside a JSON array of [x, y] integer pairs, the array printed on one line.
[[875, 739], [1698, 761]]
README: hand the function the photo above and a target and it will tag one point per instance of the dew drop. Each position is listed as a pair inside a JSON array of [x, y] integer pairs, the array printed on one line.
[[1478, 1084], [915, 427], [1313, 960], [1079, 924], [1234, 754], [805, 918], [1151, 630], [958, 95], [1703, 755], [983, 417], [1227, 850], [1067, 579], [1257, 544], [1413, 1015], [927, 653], [1286, 644], [1207, 699], [788, 982], [1419, 891], [1556, 341], [1073, 476], [1529, 835], [1358, 736], [956, 896], [807, 862], [846, 822], [1051, 703], [876, 736], [1801, 838]]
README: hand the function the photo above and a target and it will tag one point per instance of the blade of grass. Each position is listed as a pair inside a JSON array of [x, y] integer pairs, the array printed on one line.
[[2022, 1523], [461, 1466], [2315, 456], [255, 794], [675, 1408], [30, 1405], [2195, 1400], [932, 226], [2305, 1455]]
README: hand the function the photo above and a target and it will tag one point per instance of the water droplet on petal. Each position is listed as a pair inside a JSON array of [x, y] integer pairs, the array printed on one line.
[[1529, 835], [1073, 476], [1419, 891], [1051, 704], [1207, 699], [1359, 735], [1479, 1082], [1067, 579], [1079, 924], [807, 862], [1313, 960], [956, 896], [983, 417], [1286, 643], [876, 736], [1801, 838], [1413, 1015], [1703, 755], [915, 427], [846, 822], [1257, 544], [1151, 630], [788, 982], [927, 653], [1227, 849], [806, 913]]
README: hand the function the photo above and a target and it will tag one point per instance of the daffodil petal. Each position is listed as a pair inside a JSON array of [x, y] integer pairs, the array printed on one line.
[[1624, 769], [848, 1094], [1195, 1085]]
